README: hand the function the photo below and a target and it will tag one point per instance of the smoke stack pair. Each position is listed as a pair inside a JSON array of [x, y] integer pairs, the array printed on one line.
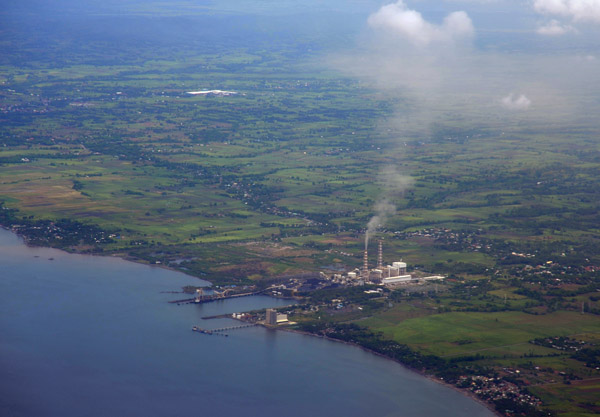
[[366, 259]]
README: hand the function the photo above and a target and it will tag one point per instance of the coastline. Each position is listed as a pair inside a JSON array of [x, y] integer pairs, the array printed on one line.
[[129, 258], [466, 393], [120, 255]]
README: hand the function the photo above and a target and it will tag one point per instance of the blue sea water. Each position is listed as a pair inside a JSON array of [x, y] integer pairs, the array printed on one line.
[[95, 336]]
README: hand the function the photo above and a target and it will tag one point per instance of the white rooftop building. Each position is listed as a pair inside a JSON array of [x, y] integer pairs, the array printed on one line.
[[397, 280]]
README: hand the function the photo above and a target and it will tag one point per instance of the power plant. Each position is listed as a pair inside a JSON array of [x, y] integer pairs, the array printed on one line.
[[390, 274], [382, 274]]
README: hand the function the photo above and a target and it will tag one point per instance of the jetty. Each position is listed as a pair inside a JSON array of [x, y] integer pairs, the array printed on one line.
[[202, 298], [220, 331]]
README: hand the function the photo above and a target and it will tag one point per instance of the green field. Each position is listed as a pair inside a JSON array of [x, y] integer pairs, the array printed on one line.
[[490, 334]]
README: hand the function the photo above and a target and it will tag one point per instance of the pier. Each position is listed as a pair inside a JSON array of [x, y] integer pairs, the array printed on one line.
[[202, 298], [220, 331], [240, 326], [214, 297]]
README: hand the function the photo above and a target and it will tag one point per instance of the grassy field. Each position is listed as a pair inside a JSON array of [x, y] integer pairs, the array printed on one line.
[[491, 334], [502, 341]]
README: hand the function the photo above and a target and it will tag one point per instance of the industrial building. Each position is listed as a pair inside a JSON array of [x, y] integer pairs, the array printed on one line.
[[274, 318], [397, 279], [382, 274], [386, 275]]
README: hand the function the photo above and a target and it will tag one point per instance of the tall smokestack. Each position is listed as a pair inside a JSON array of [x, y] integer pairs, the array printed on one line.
[[380, 255], [366, 258]]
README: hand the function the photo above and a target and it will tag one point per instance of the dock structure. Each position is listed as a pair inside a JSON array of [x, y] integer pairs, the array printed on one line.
[[220, 331], [240, 326], [207, 331], [202, 298], [213, 297]]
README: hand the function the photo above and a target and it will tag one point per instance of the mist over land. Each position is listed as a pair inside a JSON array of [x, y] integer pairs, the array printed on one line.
[[489, 77]]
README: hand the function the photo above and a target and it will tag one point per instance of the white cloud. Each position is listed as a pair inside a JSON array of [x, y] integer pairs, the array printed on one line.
[[554, 28], [574, 9], [398, 18], [511, 102]]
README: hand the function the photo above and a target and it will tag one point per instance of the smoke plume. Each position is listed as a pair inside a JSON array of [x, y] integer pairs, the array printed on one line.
[[394, 186], [441, 73]]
